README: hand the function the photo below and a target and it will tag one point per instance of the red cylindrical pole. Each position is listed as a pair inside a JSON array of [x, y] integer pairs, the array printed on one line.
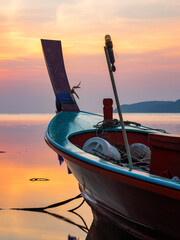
[[108, 109]]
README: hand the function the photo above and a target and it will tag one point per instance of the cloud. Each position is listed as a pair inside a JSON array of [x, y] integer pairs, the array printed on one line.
[[146, 37], [154, 9], [93, 11], [135, 25], [81, 25]]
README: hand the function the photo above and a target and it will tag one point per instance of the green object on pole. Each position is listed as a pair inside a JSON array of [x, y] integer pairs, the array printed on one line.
[[118, 108]]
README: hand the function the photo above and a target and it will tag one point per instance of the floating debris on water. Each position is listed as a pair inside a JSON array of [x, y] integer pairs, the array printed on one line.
[[39, 179]]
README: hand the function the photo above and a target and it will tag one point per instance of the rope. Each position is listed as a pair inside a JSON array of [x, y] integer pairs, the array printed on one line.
[[72, 210], [83, 228], [139, 164], [43, 210], [102, 125], [50, 206], [143, 164], [105, 124]]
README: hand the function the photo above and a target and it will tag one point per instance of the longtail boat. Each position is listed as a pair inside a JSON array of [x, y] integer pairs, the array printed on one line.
[[127, 172]]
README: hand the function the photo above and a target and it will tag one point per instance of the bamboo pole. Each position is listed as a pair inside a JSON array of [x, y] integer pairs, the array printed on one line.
[[119, 109]]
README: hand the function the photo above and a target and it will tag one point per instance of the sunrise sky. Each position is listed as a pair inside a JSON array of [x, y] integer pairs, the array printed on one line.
[[146, 37]]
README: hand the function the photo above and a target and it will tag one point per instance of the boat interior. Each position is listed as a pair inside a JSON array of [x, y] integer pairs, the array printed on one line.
[[164, 158]]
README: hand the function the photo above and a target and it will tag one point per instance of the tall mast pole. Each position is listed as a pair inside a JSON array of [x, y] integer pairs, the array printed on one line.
[[110, 62]]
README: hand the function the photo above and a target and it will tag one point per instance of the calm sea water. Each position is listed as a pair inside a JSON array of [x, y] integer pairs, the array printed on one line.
[[24, 155]]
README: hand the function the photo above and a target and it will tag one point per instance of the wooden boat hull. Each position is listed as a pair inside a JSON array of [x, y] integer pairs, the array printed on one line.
[[142, 203], [136, 206]]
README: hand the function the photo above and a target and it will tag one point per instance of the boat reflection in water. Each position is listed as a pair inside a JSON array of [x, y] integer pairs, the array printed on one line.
[[104, 230], [101, 228]]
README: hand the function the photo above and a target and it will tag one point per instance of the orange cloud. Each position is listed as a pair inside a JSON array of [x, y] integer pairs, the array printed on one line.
[[146, 37]]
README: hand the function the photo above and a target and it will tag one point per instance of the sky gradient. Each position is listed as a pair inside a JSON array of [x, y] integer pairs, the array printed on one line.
[[146, 37]]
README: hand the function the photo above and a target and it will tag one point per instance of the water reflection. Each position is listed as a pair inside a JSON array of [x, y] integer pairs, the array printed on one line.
[[72, 238], [83, 227], [105, 230], [101, 228], [24, 155]]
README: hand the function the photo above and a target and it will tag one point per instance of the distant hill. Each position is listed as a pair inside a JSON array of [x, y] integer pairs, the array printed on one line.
[[152, 107]]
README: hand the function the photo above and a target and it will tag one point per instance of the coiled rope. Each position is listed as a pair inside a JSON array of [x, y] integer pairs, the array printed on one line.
[[105, 124]]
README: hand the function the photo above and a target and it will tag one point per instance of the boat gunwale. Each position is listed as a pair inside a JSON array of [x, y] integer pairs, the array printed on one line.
[[107, 166]]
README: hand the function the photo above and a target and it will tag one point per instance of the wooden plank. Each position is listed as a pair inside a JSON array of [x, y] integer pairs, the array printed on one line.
[[53, 55]]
